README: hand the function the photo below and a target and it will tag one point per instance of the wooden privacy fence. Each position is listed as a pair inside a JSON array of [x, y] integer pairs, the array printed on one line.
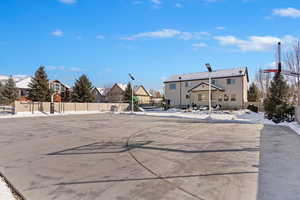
[[65, 107]]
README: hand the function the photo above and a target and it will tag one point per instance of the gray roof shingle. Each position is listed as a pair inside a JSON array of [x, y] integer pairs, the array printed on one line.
[[204, 75]]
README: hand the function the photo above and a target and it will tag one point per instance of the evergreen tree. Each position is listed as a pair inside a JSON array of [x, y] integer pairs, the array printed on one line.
[[253, 93], [1, 93], [82, 90], [127, 98], [39, 86], [127, 94], [9, 91], [276, 104]]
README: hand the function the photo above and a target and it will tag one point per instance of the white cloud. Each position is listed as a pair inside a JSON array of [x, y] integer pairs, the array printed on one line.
[[199, 45], [255, 43], [220, 28], [287, 12], [74, 69], [136, 2], [53, 68], [100, 37], [167, 33], [158, 2], [63, 68], [58, 33], [211, 1], [271, 64], [68, 1], [178, 5]]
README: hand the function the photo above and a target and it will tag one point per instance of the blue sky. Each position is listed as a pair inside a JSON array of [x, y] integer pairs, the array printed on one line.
[[152, 39]]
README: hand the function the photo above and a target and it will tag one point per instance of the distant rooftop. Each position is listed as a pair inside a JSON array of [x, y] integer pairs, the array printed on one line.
[[204, 75]]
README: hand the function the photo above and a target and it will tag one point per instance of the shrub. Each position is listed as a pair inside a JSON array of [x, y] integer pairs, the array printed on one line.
[[253, 108]]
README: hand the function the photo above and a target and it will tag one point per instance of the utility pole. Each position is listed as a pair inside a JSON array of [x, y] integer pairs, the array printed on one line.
[[180, 91], [279, 58], [132, 78], [208, 66]]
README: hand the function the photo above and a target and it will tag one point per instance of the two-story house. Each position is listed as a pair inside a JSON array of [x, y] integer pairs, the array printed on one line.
[[229, 88]]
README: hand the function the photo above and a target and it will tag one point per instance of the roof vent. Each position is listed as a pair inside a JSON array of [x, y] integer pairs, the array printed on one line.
[[240, 71]]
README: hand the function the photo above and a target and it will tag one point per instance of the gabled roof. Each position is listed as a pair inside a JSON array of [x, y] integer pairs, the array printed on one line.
[[122, 86], [141, 86], [204, 75], [65, 85], [102, 91], [4, 78], [24, 83], [204, 83]]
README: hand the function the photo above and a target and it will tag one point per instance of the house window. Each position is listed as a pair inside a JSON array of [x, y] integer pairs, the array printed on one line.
[[200, 97], [230, 81], [226, 98], [56, 87], [187, 96], [220, 98], [214, 82], [233, 97], [172, 86], [187, 84]]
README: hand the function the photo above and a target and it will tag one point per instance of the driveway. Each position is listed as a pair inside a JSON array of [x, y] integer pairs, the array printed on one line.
[[123, 157]]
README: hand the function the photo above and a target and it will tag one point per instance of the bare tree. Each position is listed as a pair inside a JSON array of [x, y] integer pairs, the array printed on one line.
[[262, 81], [292, 63]]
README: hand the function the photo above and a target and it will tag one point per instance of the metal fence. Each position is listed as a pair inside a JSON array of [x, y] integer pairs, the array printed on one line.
[[7, 110]]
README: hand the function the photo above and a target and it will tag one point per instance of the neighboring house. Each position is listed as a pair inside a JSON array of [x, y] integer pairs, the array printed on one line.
[[101, 94], [156, 97], [143, 95], [23, 88], [116, 93], [22, 84], [229, 88], [62, 91]]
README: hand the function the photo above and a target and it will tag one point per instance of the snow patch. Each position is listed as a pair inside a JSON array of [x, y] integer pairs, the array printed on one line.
[[5, 192]]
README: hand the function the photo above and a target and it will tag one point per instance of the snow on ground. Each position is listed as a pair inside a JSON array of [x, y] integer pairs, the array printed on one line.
[[46, 114], [243, 115], [240, 115], [5, 192]]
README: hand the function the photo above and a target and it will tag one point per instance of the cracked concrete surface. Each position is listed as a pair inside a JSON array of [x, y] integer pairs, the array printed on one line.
[[122, 157]]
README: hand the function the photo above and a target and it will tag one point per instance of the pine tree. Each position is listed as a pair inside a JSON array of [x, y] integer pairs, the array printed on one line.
[[276, 104], [39, 86], [253, 93], [82, 90], [1, 93], [9, 91], [127, 97], [127, 94]]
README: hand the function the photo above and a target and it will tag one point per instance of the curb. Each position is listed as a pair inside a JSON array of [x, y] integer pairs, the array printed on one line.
[[12, 188]]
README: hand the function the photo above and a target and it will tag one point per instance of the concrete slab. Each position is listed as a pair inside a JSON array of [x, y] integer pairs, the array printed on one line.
[[122, 157], [279, 176]]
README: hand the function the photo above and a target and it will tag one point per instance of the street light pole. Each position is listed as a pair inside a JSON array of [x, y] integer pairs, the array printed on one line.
[[180, 91], [132, 78], [208, 66]]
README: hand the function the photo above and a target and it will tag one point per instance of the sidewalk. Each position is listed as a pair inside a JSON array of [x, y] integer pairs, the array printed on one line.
[[279, 176]]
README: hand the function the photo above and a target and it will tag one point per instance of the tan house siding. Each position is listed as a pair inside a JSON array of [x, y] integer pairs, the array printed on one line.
[[237, 90], [115, 94], [143, 95]]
